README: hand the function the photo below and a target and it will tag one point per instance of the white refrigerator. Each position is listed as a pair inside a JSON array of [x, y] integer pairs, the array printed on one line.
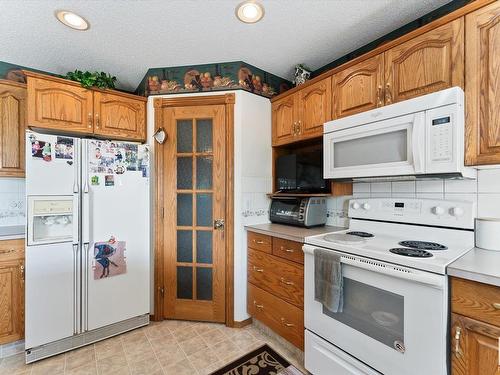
[[88, 241]]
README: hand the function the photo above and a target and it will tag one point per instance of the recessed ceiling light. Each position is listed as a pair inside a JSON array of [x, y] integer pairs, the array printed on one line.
[[72, 20], [249, 11]]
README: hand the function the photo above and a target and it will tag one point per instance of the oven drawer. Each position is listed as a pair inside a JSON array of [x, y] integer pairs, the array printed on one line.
[[476, 300], [323, 358], [259, 241], [279, 277], [283, 318], [290, 250]]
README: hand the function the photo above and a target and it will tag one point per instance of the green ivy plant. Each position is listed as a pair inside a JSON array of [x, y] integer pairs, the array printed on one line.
[[96, 79]]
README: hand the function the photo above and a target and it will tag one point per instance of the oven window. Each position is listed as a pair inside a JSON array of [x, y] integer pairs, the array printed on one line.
[[375, 149], [372, 311]]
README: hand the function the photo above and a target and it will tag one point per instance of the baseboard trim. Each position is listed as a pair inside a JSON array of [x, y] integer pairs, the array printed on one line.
[[243, 323]]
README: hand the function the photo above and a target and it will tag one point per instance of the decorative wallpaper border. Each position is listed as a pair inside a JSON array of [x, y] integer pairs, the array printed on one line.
[[235, 75]]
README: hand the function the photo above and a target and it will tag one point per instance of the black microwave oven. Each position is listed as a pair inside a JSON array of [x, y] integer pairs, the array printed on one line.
[[301, 173]]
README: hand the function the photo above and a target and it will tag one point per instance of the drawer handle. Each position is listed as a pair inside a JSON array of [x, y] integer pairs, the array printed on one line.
[[286, 324], [259, 242], [496, 306], [283, 281], [258, 269], [7, 251], [257, 305], [287, 250]]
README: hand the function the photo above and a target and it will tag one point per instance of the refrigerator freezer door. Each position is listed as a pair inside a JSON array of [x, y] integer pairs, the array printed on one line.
[[51, 164], [51, 281], [117, 278]]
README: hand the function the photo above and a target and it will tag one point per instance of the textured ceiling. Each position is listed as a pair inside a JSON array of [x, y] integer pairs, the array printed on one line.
[[127, 37]]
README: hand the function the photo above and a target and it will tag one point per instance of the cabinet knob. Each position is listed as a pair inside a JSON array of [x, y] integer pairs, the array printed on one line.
[[258, 269], [97, 120], [9, 251], [496, 306], [283, 281], [283, 320], [287, 250], [258, 242], [458, 332], [388, 94], [379, 96], [21, 270], [257, 305], [90, 120]]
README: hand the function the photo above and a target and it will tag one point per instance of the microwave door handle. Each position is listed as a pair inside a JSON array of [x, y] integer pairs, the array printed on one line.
[[418, 142]]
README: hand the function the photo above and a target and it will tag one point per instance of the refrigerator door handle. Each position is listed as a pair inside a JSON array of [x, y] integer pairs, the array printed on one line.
[[85, 289], [75, 289], [86, 194]]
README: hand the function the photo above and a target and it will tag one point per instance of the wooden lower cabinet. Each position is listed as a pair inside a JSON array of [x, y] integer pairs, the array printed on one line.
[[11, 290], [12, 128], [475, 332], [276, 285]]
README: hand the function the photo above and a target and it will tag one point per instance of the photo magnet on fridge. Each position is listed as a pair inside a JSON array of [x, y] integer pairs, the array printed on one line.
[[110, 258], [64, 148], [109, 180], [94, 180], [41, 150]]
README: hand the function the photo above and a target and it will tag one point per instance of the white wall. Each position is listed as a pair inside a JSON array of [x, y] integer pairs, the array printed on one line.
[[484, 193], [12, 201], [252, 178]]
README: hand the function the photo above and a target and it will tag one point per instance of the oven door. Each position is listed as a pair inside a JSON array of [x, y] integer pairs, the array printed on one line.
[[393, 318], [391, 147]]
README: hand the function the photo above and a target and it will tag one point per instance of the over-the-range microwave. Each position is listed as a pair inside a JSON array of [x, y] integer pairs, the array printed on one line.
[[417, 138]]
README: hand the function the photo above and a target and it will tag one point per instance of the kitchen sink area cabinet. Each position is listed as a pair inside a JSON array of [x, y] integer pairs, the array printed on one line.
[[64, 106], [12, 127], [358, 88], [475, 328], [482, 86], [430, 62], [276, 285], [11, 290]]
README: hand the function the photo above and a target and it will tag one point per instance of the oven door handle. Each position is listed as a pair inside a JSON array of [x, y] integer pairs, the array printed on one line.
[[400, 272]]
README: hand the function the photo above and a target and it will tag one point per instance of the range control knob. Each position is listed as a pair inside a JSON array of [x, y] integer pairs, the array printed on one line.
[[456, 211], [437, 210], [355, 205], [366, 206]]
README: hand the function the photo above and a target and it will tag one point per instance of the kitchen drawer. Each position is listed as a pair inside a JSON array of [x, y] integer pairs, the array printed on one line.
[[259, 241], [283, 318], [476, 300], [287, 249], [11, 249], [277, 276]]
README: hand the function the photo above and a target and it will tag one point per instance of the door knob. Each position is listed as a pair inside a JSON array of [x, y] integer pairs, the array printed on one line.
[[219, 224]]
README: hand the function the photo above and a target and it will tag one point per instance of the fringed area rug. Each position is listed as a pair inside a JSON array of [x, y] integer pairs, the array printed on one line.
[[262, 361]]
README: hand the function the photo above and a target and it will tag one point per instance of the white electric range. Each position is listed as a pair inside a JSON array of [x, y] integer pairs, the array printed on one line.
[[395, 290]]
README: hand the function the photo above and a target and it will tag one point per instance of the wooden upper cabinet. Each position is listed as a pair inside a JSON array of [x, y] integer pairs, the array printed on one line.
[[358, 88], [314, 108], [54, 103], [284, 119], [474, 347], [482, 85], [118, 116], [430, 62], [12, 128]]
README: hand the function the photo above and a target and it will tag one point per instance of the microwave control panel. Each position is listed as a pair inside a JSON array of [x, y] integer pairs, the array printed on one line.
[[441, 138]]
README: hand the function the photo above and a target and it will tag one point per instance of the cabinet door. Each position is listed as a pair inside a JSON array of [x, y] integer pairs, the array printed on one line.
[[284, 118], [359, 88], [482, 86], [431, 62], [119, 117], [12, 127], [315, 108], [12, 301], [59, 106], [474, 347]]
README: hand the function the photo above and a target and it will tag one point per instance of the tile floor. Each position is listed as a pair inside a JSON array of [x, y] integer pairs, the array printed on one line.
[[168, 347]]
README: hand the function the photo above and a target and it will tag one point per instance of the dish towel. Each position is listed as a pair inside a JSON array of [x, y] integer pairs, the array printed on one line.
[[328, 281]]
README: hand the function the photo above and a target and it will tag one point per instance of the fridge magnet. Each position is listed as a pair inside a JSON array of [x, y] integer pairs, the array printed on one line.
[[94, 180], [119, 169], [109, 258], [109, 180], [41, 150], [64, 148]]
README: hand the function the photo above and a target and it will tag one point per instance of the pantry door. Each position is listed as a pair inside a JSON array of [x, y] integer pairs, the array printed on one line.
[[194, 179]]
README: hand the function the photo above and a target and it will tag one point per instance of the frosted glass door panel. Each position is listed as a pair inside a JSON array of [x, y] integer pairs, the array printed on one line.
[[375, 149]]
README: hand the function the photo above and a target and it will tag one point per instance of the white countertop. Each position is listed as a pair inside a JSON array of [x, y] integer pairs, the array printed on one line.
[[12, 232], [289, 232], [478, 265]]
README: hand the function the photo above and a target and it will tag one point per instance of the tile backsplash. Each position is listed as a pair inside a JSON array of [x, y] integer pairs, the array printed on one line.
[[12, 201], [484, 193]]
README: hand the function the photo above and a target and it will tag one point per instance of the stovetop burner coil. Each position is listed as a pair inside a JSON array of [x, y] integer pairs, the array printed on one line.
[[360, 234], [414, 253], [423, 245]]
